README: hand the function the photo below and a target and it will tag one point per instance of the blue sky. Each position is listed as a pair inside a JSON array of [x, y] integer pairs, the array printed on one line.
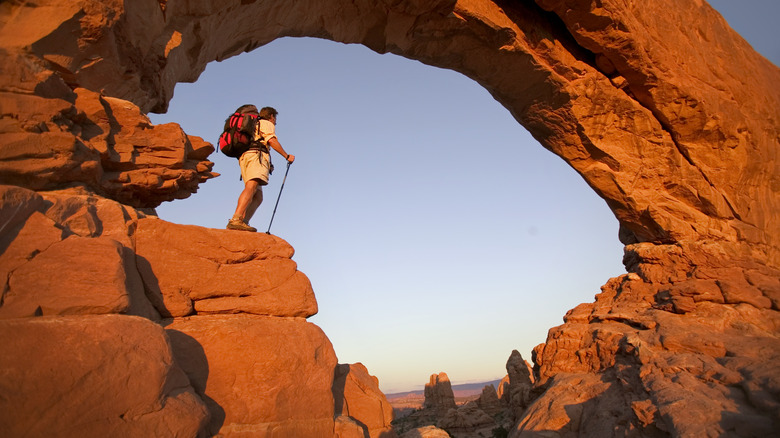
[[437, 234]]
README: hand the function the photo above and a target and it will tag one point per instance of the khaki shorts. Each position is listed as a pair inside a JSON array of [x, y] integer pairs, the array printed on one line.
[[255, 165]]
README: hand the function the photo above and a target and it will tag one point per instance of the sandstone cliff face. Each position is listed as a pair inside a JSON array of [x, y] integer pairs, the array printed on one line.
[[116, 323], [667, 113], [111, 328]]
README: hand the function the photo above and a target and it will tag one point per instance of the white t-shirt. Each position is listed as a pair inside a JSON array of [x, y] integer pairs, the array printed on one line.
[[265, 131]]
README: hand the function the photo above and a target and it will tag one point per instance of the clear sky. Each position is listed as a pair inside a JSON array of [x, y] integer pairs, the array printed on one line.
[[437, 233]]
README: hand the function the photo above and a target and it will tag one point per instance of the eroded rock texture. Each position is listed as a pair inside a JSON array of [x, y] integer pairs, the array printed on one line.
[[117, 323], [666, 113]]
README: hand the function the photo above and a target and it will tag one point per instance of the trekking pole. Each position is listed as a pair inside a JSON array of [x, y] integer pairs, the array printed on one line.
[[278, 197]]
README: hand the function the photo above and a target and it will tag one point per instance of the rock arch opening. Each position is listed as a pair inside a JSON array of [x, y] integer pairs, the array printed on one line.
[[415, 197]]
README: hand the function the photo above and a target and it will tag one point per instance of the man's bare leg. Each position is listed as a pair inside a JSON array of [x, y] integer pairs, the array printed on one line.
[[246, 198], [248, 202], [256, 201]]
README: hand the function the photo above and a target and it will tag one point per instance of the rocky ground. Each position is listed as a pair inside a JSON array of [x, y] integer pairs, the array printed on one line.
[[491, 412]]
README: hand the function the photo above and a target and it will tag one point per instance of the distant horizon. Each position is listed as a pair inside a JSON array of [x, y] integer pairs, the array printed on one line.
[[455, 386]]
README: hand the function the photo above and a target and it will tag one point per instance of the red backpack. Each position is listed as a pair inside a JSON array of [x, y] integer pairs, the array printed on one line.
[[236, 137]]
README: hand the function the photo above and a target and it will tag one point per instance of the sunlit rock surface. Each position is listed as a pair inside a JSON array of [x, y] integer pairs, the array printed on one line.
[[259, 375], [666, 113], [105, 333]]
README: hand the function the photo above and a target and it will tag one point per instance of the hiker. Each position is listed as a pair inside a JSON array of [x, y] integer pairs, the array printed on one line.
[[256, 167]]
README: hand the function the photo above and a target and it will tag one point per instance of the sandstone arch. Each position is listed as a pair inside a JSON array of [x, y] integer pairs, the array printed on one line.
[[659, 117], [590, 85]]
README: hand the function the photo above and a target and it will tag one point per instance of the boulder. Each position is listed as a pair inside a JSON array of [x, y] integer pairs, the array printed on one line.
[[359, 398], [91, 279], [95, 275], [93, 375], [32, 234], [79, 211], [467, 417], [16, 205], [259, 375], [188, 269], [347, 427]]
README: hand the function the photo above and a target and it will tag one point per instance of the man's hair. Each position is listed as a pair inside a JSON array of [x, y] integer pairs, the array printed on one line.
[[247, 109], [267, 112]]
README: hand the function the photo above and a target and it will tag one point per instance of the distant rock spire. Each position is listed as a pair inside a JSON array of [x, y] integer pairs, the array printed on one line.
[[439, 395]]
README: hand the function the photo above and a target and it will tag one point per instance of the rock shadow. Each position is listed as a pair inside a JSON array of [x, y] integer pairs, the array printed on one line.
[[190, 356], [154, 293], [339, 385]]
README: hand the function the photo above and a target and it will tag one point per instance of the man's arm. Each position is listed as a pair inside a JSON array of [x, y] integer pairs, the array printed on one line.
[[274, 143]]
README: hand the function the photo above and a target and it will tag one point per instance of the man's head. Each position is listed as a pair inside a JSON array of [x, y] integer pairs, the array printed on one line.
[[267, 112]]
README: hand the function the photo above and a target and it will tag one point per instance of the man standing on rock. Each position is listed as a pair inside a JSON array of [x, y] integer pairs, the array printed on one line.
[[256, 167]]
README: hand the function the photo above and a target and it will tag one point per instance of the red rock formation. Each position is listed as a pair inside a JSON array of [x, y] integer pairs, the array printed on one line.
[[250, 368], [665, 347], [517, 386], [57, 137], [601, 87], [666, 113], [438, 395], [466, 418], [259, 376], [488, 401], [188, 269], [97, 375], [359, 398]]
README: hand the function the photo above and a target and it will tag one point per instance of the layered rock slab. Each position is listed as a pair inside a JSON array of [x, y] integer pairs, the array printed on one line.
[[103, 375], [66, 253], [54, 137], [190, 269]]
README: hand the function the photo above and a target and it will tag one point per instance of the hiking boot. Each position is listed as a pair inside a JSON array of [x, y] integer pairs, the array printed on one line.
[[237, 224]]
